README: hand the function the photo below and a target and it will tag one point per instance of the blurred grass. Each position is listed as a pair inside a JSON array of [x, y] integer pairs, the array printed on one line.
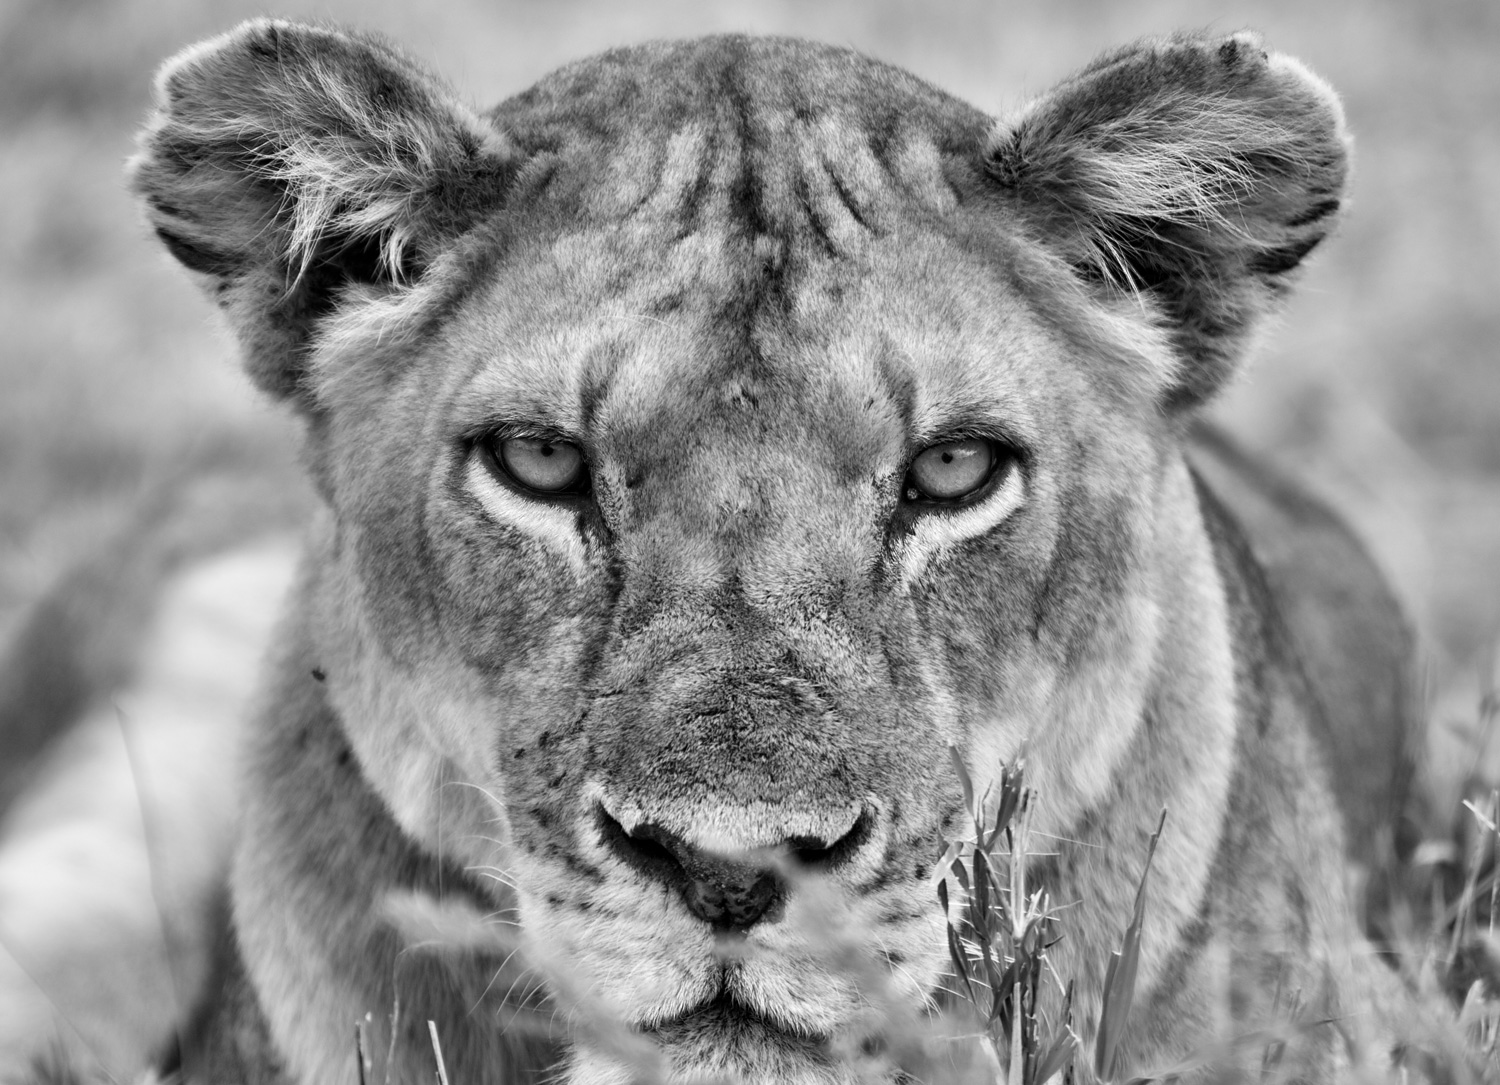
[[1382, 388]]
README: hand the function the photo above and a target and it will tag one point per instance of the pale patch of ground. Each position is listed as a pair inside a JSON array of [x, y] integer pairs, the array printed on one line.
[[123, 833]]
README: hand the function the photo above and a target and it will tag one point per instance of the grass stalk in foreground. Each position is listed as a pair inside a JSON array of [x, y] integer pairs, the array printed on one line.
[[999, 934]]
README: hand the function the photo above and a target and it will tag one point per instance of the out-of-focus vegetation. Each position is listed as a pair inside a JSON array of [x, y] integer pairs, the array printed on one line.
[[1382, 388]]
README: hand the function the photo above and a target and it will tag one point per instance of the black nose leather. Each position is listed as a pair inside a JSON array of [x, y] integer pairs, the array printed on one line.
[[725, 892]]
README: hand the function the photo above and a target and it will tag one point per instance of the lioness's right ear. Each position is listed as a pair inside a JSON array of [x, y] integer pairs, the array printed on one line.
[[285, 162]]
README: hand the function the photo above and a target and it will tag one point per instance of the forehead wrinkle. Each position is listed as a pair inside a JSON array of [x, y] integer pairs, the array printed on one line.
[[704, 162], [833, 213], [763, 172], [682, 174], [844, 151]]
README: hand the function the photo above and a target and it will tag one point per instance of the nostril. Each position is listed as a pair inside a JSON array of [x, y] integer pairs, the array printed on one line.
[[647, 850], [815, 854]]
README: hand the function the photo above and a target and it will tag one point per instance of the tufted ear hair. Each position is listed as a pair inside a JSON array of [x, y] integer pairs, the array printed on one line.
[[1198, 172], [287, 162]]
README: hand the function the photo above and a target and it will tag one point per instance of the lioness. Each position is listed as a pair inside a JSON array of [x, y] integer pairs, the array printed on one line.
[[708, 439]]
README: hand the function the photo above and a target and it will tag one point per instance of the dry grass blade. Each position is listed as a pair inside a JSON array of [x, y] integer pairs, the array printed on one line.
[[1011, 795], [1064, 1047], [437, 1052], [982, 894], [964, 782], [1022, 1024], [960, 964], [390, 1054], [362, 1051], [1119, 978]]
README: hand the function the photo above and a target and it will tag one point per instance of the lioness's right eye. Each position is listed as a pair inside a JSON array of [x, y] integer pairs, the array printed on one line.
[[950, 471], [543, 465]]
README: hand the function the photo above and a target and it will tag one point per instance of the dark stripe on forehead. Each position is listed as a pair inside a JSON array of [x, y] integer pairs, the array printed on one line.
[[779, 158], [695, 205], [822, 229], [746, 193], [847, 199]]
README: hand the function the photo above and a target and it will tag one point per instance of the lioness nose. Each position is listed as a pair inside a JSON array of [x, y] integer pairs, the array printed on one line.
[[727, 892]]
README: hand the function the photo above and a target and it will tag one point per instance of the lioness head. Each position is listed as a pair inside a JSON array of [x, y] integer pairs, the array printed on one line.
[[718, 432]]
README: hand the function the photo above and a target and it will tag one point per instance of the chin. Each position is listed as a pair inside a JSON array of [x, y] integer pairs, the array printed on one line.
[[720, 1043]]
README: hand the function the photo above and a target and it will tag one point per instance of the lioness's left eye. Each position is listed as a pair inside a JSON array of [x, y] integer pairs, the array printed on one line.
[[951, 470], [547, 466]]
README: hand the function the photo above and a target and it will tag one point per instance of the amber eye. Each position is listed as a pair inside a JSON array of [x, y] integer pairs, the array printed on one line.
[[541, 464], [950, 471]]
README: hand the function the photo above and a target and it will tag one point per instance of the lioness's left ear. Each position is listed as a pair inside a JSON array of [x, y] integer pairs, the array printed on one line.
[[1197, 171]]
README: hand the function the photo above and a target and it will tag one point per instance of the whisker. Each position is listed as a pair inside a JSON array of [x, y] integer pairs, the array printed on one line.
[[1063, 839], [498, 971]]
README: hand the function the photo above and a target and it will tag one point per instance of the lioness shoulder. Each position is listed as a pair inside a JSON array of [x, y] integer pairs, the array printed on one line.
[[709, 439]]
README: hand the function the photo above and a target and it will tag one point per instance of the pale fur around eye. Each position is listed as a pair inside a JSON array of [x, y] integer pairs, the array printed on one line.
[[932, 535], [548, 522]]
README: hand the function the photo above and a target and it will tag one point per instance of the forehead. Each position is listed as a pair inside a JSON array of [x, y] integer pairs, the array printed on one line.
[[614, 330], [715, 225], [746, 95]]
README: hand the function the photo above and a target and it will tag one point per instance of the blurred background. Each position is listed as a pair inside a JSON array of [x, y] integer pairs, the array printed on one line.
[[1381, 389]]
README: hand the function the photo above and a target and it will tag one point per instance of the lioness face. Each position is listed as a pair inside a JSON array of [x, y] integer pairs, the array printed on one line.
[[744, 632], [721, 433]]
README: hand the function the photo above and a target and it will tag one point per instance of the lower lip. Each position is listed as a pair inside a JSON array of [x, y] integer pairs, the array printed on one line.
[[727, 1017]]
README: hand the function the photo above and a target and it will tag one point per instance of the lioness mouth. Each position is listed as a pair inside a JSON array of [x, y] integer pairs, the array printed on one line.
[[726, 1015]]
